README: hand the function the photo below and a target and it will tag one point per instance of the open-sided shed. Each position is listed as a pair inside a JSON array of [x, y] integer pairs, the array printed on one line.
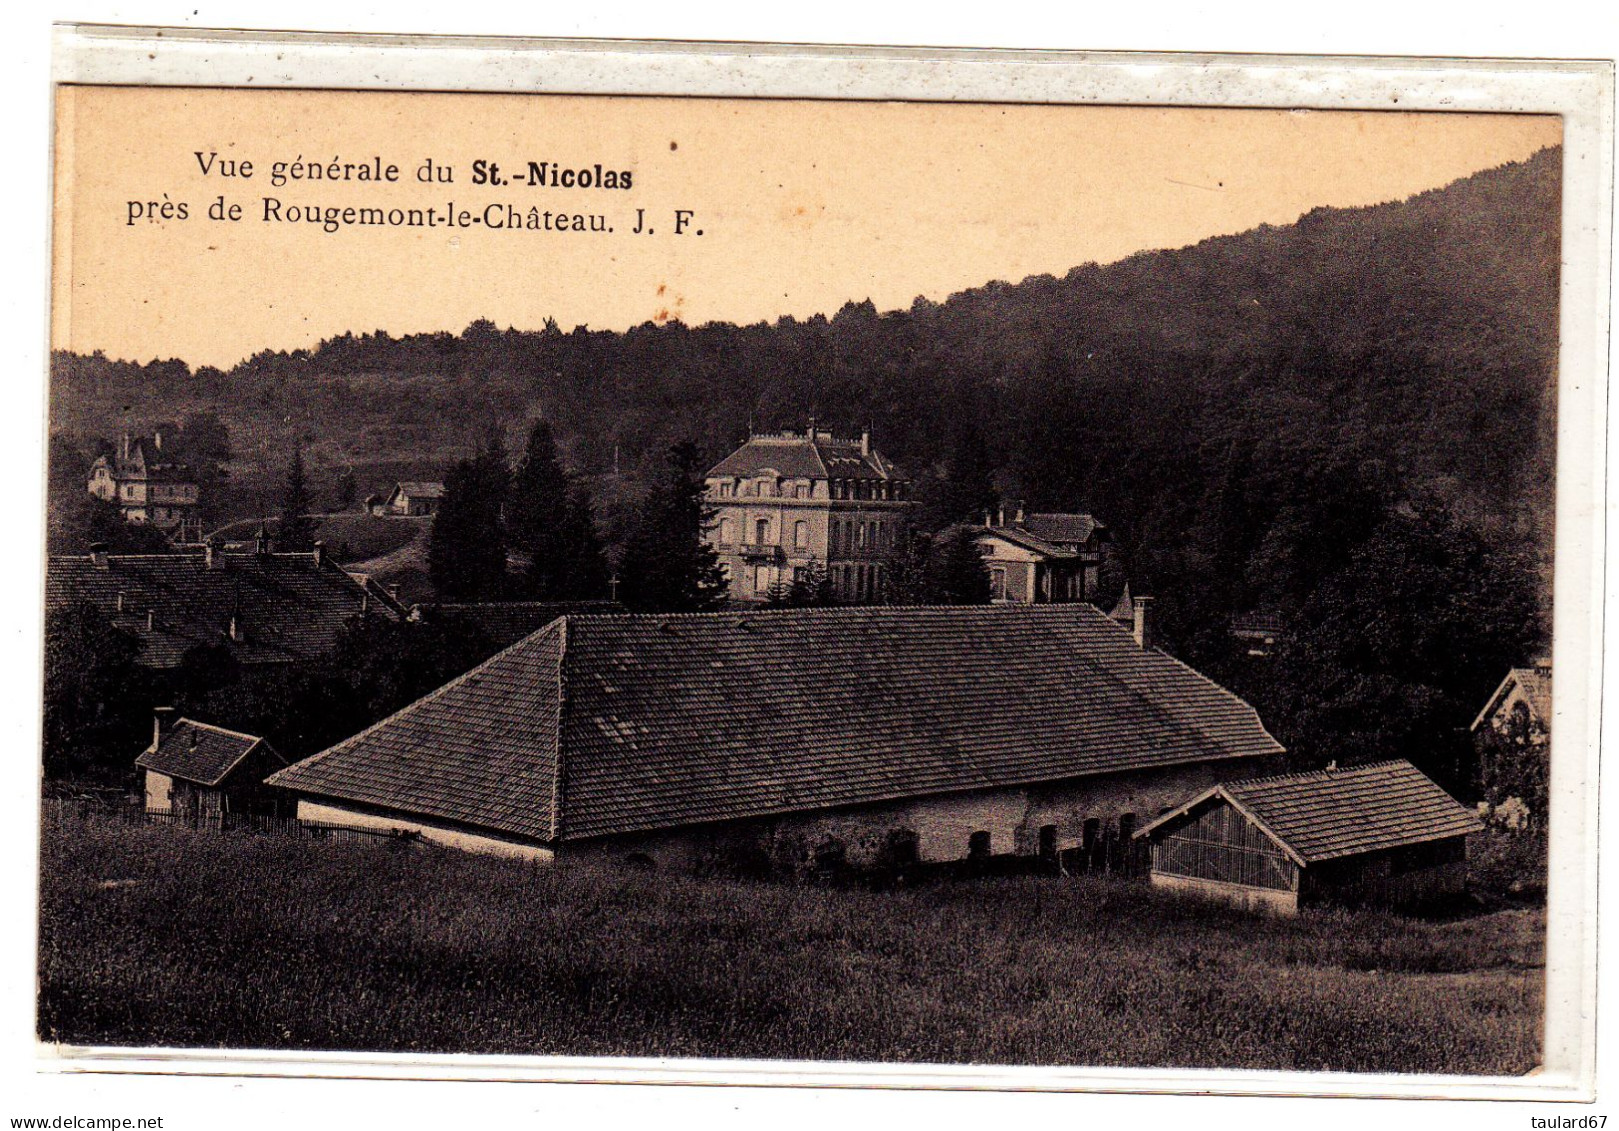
[[1382, 833]]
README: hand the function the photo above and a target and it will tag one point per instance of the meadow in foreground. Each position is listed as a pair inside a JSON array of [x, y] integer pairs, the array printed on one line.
[[162, 936]]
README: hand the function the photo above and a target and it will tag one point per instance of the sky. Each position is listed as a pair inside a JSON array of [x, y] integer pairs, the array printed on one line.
[[801, 205]]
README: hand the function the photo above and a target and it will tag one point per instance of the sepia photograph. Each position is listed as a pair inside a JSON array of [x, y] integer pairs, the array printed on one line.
[[858, 581]]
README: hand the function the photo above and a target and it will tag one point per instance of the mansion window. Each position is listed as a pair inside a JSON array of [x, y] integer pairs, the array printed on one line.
[[801, 535], [761, 531], [761, 579], [727, 532], [997, 585]]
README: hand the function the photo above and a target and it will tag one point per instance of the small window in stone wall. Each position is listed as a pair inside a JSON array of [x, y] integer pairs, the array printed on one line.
[[901, 847], [830, 855], [1048, 842], [1090, 832], [978, 845]]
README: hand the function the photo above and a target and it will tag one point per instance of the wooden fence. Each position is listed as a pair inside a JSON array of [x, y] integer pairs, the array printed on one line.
[[61, 809]]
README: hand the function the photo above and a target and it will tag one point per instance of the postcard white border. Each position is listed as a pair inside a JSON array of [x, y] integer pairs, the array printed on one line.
[[1581, 92]]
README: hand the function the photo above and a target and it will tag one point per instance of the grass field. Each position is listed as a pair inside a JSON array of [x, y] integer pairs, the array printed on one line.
[[161, 936]]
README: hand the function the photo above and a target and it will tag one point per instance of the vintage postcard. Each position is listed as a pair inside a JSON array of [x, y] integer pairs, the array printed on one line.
[[925, 582]]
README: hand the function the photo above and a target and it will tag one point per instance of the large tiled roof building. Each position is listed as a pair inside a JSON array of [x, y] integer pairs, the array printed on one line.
[[680, 738], [265, 607]]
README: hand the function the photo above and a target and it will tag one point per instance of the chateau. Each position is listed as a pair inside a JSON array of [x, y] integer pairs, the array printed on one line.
[[785, 502]]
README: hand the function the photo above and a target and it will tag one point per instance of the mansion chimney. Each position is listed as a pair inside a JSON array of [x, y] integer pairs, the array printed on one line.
[[161, 718], [320, 554], [1143, 622], [865, 441], [98, 555], [213, 554]]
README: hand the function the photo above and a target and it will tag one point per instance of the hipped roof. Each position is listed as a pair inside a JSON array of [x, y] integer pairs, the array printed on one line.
[[598, 725]]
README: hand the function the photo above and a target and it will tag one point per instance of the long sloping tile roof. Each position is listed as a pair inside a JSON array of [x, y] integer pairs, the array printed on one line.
[[610, 724], [201, 753], [287, 607], [1326, 814]]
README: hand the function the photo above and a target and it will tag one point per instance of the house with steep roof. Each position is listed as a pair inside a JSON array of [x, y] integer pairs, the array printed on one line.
[[200, 772], [785, 740], [785, 502], [148, 490], [415, 498], [263, 607], [1523, 700], [1382, 833], [1038, 559]]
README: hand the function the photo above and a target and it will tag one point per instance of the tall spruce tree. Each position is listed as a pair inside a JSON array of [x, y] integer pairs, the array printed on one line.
[[549, 519], [466, 552], [295, 532], [667, 566], [956, 574]]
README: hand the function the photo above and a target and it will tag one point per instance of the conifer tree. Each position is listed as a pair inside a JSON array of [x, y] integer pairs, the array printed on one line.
[[466, 552], [667, 565], [295, 533]]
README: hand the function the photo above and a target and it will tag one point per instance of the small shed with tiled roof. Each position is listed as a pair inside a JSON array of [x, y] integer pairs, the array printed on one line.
[[204, 772], [1382, 833]]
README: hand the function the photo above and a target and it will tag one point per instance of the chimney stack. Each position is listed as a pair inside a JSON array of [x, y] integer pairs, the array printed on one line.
[[865, 441], [261, 540], [393, 590], [320, 554], [1143, 625], [98, 555], [151, 620], [213, 554], [1000, 514], [161, 718], [1019, 518]]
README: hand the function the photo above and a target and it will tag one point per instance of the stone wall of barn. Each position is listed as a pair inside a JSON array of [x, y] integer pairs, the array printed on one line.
[[1057, 817], [430, 831]]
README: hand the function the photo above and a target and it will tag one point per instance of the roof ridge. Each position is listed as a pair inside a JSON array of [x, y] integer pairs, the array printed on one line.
[[1326, 773], [216, 728], [1227, 692]]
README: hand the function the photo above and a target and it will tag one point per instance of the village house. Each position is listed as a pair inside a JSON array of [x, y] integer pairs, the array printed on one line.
[[1038, 559], [1381, 833], [414, 499], [205, 773], [1522, 703], [148, 490], [785, 741], [785, 502], [264, 607]]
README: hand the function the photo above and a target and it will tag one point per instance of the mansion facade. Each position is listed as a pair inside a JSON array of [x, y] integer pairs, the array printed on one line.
[[786, 502]]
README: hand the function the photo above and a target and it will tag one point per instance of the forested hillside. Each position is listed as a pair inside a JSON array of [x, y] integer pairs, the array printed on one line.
[[1250, 415]]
